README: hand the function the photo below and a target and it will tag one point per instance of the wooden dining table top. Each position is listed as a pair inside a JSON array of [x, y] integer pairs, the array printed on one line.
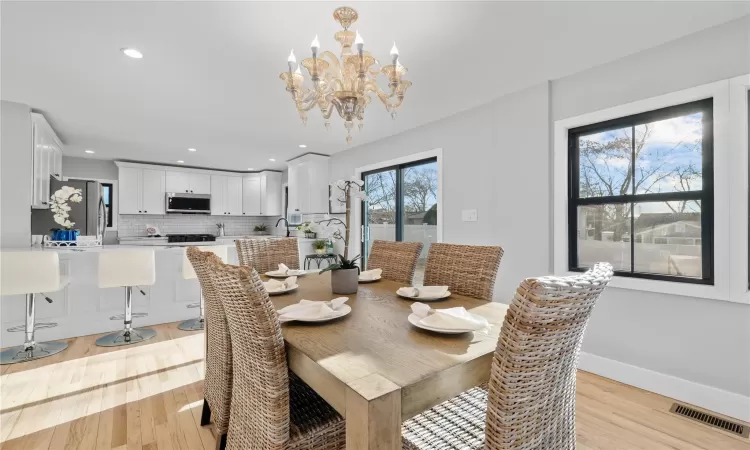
[[375, 345]]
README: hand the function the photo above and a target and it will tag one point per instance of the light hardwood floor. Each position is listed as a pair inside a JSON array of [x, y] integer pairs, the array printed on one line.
[[149, 397]]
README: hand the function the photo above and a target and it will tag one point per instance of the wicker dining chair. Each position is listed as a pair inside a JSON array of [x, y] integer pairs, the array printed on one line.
[[271, 408], [397, 259], [529, 401], [264, 255], [466, 269], [217, 383]]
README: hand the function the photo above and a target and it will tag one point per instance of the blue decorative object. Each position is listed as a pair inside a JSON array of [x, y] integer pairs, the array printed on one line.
[[65, 235]]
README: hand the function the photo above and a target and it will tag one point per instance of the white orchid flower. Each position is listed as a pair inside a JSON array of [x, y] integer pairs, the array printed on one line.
[[76, 198]]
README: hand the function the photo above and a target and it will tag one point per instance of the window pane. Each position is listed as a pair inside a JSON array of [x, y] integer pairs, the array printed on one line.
[[604, 235], [668, 238], [420, 184], [669, 155], [604, 163], [380, 211]]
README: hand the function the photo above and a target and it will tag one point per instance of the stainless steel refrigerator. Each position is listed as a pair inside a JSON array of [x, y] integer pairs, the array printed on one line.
[[90, 215]]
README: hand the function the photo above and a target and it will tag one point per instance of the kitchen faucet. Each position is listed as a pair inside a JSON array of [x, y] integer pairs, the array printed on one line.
[[287, 225]]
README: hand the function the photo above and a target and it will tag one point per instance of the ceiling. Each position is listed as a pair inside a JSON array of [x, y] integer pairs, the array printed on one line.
[[209, 78]]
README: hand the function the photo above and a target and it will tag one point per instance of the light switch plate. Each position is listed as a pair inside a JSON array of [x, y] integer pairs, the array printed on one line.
[[469, 215]]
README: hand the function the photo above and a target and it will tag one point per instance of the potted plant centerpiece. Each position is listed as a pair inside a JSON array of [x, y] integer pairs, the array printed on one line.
[[345, 272], [59, 206], [307, 229]]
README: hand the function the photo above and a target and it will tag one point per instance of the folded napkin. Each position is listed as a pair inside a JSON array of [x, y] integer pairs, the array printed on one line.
[[369, 275], [276, 285], [308, 309], [449, 318], [423, 292], [285, 270]]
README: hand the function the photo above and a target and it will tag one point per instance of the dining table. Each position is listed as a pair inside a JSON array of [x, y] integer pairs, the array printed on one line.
[[375, 368]]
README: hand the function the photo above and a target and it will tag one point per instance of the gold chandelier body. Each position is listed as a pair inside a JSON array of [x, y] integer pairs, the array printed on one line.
[[344, 84]]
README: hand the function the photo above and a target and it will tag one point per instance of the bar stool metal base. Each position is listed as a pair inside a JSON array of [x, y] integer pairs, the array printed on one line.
[[125, 337], [192, 325], [39, 350]]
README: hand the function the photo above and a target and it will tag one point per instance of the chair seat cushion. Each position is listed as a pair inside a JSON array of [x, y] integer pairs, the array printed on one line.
[[456, 424], [313, 423]]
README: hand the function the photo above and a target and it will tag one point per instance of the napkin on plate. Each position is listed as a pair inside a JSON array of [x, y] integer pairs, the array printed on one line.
[[276, 285], [285, 270], [423, 292], [308, 310], [369, 275], [449, 318]]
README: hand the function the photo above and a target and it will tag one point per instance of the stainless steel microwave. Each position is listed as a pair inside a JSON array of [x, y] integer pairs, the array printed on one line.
[[180, 203]]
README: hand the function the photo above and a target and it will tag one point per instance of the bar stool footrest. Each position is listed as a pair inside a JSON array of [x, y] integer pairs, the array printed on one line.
[[133, 315], [37, 326]]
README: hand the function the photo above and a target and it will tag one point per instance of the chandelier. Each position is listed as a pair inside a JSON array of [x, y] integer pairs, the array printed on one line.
[[344, 84]]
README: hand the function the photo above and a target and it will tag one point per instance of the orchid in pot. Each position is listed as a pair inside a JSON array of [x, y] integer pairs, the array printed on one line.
[[345, 272], [60, 208]]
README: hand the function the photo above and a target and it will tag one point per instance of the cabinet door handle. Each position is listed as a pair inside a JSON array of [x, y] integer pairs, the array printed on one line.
[[186, 190], [140, 210], [145, 211], [57, 174]]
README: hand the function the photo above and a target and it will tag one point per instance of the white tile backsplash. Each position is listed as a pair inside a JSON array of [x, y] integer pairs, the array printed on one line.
[[135, 225]]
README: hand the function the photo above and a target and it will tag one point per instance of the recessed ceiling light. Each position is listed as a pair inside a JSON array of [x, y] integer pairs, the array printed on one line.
[[180, 162], [89, 151], [302, 146], [192, 150], [271, 159], [133, 53], [250, 168]]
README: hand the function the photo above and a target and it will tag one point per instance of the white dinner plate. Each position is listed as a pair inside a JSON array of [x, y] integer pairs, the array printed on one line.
[[292, 273], [370, 281], [426, 299], [414, 320], [283, 291], [341, 312]]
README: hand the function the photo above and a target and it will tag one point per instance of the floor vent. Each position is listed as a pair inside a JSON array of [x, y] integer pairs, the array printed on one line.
[[708, 419]]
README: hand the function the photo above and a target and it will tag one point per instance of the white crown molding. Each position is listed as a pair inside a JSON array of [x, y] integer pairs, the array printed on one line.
[[225, 173]]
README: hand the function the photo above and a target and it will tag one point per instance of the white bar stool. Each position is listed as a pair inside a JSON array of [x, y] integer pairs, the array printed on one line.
[[128, 269], [31, 273], [188, 273]]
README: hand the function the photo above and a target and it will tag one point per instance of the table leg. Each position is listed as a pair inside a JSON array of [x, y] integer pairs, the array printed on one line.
[[373, 414]]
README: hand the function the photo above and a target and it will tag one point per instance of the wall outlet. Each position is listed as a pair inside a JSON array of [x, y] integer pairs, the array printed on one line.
[[469, 215]]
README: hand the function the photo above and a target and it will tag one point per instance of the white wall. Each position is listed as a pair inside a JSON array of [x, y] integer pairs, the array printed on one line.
[[101, 169], [15, 175], [495, 160], [700, 340]]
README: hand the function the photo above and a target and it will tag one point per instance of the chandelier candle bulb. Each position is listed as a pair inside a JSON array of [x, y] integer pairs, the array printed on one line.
[[394, 54], [315, 46], [359, 42]]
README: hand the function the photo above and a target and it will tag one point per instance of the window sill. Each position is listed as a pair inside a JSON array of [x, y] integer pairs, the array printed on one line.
[[671, 287]]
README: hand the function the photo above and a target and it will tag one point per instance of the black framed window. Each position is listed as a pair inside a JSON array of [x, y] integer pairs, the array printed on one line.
[[640, 194], [108, 201], [403, 205]]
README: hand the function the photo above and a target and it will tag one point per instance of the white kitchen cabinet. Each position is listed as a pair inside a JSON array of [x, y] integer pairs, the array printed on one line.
[[251, 195], [308, 184], [270, 193], [153, 191], [226, 195], [142, 191], [191, 182], [46, 160]]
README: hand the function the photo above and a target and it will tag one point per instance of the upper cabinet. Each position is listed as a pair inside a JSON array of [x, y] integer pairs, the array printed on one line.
[[190, 182], [141, 191], [226, 195], [308, 184], [270, 193], [47, 160], [261, 194]]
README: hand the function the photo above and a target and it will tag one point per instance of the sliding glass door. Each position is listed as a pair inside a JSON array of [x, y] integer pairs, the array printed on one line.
[[403, 206]]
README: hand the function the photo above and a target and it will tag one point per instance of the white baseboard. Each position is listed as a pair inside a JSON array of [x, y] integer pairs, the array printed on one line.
[[711, 398]]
